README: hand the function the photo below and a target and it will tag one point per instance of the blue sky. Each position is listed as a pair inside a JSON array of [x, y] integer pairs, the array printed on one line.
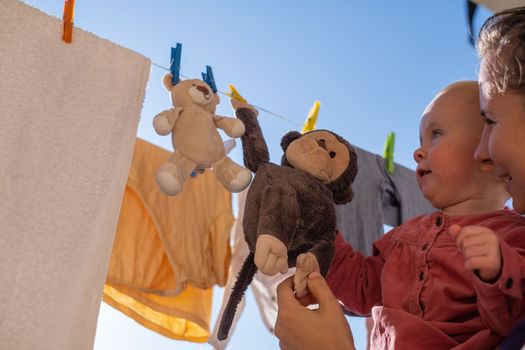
[[374, 65]]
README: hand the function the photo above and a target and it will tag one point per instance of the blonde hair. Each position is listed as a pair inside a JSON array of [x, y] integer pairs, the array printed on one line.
[[501, 45]]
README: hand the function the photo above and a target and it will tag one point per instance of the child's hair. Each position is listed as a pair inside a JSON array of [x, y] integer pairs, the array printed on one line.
[[501, 44]]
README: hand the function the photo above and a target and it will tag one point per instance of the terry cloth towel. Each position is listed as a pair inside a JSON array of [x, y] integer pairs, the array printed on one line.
[[380, 198], [68, 120], [169, 251]]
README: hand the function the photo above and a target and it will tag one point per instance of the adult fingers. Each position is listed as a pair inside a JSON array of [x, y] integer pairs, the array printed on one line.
[[321, 292], [285, 293]]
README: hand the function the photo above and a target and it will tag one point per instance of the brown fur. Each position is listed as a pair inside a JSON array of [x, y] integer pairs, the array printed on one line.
[[287, 203]]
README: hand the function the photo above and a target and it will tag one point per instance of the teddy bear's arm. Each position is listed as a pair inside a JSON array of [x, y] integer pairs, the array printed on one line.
[[165, 120], [233, 127]]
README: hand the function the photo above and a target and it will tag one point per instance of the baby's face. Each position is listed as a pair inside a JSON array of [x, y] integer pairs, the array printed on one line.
[[450, 130]]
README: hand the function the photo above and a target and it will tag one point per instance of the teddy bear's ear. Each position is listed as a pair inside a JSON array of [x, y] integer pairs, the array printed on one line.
[[289, 138], [167, 81]]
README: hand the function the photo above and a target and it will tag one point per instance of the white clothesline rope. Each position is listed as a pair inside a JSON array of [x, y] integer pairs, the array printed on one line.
[[226, 94]]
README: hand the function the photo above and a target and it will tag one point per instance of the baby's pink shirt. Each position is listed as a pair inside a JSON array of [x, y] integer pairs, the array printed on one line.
[[419, 291]]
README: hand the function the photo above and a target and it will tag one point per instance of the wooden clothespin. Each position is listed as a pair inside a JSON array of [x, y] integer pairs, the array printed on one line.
[[389, 151], [176, 53], [209, 79], [311, 120], [69, 6]]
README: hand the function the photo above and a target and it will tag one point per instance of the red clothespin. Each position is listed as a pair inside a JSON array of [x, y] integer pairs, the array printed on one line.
[[69, 6]]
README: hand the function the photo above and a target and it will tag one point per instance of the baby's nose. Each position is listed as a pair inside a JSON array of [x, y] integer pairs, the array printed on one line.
[[418, 155]]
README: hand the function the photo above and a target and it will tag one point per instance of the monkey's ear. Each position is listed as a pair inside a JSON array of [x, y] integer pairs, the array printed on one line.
[[343, 196], [289, 138]]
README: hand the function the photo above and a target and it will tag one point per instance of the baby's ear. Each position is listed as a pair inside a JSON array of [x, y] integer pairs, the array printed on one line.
[[289, 138], [167, 81]]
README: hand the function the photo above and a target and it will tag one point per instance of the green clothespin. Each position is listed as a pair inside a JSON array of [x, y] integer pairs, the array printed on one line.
[[389, 151]]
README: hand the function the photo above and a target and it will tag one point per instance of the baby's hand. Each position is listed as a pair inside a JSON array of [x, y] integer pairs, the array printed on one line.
[[480, 248]]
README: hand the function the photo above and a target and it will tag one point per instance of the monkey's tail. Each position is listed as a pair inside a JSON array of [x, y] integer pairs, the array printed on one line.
[[244, 278]]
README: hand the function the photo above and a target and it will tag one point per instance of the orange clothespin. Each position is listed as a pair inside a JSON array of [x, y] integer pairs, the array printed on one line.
[[69, 6]]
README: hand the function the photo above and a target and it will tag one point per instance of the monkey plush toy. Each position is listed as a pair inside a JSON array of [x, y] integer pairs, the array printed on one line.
[[289, 216], [193, 126]]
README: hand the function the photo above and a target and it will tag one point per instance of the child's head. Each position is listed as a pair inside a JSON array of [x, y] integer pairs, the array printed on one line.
[[448, 175], [501, 48]]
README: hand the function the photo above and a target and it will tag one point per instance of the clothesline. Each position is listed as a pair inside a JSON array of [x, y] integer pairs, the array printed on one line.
[[226, 94]]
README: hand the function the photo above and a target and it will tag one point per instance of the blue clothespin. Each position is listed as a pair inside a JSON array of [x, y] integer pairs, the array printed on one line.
[[209, 79], [175, 63]]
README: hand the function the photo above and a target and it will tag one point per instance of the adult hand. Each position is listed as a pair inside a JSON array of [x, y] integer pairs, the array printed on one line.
[[298, 327], [480, 247]]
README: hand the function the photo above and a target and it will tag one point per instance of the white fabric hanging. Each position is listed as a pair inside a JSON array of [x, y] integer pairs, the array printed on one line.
[[68, 120]]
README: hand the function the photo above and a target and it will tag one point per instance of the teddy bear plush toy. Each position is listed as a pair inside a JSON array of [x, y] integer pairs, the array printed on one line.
[[197, 144]]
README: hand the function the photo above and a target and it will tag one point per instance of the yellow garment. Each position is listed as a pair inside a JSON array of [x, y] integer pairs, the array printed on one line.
[[169, 251]]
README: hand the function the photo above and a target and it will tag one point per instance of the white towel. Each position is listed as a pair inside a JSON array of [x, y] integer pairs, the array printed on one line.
[[68, 121]]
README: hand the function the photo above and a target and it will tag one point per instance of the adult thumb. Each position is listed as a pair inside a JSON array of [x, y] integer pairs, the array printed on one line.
[[320, 290]]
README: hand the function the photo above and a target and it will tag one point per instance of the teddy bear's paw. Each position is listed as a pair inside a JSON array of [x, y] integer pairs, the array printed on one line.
[[271, 255], [238, 129], [162, 125], [168, 183], [305, 264], [240, 181]]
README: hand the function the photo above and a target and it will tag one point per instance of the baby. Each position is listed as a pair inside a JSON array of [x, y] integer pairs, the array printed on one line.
[[451, 278]]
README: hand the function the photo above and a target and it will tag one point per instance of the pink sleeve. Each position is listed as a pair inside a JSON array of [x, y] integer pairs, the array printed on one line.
[[355, 279], [501, 303]]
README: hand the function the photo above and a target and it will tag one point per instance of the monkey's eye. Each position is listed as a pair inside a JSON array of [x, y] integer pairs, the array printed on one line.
[[322, 141], [332, 154], [193, 84]]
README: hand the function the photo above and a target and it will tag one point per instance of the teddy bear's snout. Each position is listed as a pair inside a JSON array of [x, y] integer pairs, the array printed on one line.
[[203, 89]]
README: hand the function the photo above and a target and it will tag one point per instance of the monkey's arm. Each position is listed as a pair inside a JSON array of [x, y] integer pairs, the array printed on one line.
[[278, 212], [165, 121], [324, 251], [255, 150], [318, 258], [278, 217]]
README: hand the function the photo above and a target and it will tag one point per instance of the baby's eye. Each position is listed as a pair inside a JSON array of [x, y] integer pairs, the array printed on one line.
[[436, 133], [332, 154]]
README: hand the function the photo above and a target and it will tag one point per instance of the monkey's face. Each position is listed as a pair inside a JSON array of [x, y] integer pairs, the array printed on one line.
[[320, 154], [194, 91]]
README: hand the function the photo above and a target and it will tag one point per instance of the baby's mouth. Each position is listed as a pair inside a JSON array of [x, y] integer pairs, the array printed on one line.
[[422, 172]]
